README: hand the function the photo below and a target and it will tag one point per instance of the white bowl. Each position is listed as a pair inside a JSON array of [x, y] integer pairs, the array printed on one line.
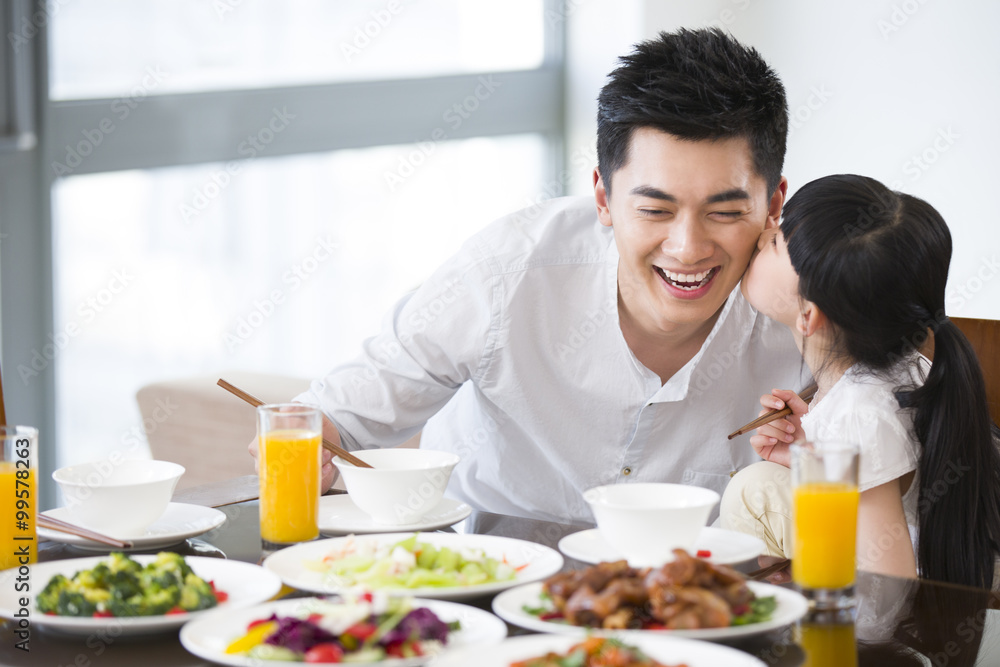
[[401, 486], [646, 522], [118, 498]]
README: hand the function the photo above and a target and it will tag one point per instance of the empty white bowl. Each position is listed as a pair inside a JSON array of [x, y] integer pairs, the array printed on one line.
[[646, 522], [118, 498], [401, 486]]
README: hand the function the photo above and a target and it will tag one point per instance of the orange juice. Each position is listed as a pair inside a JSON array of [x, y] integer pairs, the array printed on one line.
[[19, 496], [289, 485], [828, 645], [826, 527]]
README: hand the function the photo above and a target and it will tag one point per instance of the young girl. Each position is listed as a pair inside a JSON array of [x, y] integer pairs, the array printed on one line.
[[858, 273]]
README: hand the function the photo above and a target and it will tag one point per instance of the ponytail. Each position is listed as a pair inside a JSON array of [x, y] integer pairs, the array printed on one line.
[[959, 502]]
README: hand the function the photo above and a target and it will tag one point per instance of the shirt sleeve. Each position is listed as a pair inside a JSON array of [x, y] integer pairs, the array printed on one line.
[[888, 450], [434, 340]]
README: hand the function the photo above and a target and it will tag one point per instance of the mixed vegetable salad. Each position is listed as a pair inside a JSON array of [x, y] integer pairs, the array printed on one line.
[[362, 628], [410, 564], [121, 586]]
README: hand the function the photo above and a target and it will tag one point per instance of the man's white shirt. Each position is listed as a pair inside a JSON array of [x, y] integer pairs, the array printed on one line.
[[512, 357]]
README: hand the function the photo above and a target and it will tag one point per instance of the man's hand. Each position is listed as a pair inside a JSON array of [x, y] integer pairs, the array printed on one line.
[[329, 472], [772, 440]]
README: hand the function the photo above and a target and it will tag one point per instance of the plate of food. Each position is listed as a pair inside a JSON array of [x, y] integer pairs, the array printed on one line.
[[362, 629], [687, 597], [638, 650], [133, 595], [444, 566]]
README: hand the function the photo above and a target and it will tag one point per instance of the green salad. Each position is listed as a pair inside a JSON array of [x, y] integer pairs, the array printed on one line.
[[121, 586], [410, 564]]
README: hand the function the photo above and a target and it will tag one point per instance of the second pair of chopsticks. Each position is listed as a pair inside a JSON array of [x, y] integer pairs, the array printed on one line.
[[52, 523], [806, 395], [256, 402]]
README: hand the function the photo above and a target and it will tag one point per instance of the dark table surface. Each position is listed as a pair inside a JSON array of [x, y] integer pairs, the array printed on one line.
[[896, 622]]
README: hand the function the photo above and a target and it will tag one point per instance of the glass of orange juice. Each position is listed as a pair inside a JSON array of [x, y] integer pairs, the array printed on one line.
[[289, 438], [825, 522], [18, 496]]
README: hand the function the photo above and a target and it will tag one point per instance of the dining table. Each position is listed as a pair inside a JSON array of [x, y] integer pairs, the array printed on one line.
[[895, 621]]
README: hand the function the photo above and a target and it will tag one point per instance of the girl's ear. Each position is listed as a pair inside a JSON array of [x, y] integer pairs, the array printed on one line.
[[810, 320]]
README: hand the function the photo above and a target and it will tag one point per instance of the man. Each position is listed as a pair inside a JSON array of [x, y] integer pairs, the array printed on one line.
[[564, 348]]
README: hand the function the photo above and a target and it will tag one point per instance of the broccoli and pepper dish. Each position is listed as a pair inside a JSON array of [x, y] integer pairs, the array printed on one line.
[[121, 586]]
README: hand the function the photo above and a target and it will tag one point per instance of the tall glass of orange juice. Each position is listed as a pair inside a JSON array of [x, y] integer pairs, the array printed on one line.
[[290, 440], [18, 496], [825, 522]]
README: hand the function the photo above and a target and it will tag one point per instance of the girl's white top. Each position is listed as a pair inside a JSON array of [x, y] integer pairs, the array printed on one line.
[[861, 408]]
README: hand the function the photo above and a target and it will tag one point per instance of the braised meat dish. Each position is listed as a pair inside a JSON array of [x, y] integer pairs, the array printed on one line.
[[686, 593]]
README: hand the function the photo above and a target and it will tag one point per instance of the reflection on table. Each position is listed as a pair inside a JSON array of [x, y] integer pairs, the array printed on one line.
[[896, 622]]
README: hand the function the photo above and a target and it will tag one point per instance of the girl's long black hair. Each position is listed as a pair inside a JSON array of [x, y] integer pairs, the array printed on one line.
[[876, 263]]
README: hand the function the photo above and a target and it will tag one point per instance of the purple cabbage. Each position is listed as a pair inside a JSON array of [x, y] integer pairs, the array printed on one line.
[[298, 635], [418, 624]]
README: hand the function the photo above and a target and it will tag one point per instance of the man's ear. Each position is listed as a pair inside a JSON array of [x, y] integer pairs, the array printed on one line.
[[601, 197], [810, 320], [774, 206]]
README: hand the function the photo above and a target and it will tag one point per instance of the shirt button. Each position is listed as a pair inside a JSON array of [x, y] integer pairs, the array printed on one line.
[[626, 470]]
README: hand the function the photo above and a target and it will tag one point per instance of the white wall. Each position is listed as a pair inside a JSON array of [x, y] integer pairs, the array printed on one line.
[[905, 91]]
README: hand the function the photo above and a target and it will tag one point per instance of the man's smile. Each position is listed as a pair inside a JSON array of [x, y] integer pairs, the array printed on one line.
[[688, 285]]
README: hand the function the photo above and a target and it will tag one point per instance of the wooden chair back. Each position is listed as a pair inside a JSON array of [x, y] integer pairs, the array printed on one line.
[[984, 335]]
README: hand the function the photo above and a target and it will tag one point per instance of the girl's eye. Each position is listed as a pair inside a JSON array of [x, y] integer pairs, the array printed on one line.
[[774, 240]]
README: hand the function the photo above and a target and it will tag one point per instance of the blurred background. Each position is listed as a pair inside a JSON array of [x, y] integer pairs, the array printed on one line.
[[194, 186]]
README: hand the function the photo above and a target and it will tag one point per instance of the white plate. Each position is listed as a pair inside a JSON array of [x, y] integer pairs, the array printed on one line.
[[539, 561], [667, 650], [727, 546], [245, 583], [791, 607], [208, 636], [178, 523], [338, 515]]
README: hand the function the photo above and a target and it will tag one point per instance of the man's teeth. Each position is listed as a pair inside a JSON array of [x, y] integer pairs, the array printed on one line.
[[688, 281], [687, 277]]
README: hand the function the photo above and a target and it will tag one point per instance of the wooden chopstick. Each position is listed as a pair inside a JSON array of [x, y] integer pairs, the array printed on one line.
[[52, 523], [806, 395], [256, 402], [765, 572]]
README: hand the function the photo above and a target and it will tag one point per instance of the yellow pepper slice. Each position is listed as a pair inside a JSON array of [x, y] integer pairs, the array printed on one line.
[[255, 636]]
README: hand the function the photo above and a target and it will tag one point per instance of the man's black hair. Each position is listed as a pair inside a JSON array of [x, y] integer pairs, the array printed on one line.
[[695, 85]]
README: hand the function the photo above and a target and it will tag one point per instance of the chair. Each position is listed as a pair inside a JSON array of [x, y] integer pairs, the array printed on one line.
[[984, 335]]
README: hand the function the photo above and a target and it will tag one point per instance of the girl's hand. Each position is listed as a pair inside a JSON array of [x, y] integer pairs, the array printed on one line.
[[772, 440]]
